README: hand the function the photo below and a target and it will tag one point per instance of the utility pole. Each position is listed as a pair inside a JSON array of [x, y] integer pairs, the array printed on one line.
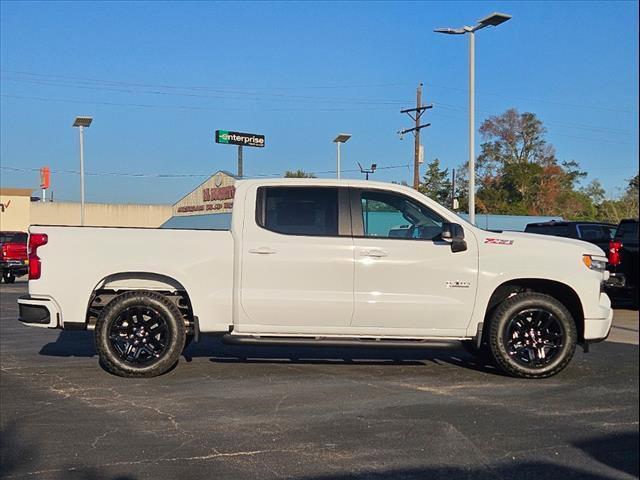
[[240, 166], [453, 187], [415, 114]]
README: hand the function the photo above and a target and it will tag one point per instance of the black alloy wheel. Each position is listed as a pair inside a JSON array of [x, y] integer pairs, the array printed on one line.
[[534, 337], [531, 335], [140, 334]]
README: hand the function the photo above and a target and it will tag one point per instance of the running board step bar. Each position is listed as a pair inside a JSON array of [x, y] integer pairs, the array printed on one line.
[[337, 342]]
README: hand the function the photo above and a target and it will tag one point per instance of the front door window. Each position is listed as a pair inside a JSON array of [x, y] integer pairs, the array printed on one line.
[[387, 215]]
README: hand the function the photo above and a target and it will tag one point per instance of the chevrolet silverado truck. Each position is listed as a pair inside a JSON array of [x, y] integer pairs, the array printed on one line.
[[321, 262], [623, 261], [13, 255]]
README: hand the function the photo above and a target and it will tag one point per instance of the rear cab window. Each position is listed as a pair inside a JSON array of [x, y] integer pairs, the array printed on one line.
[[628, 232], [595, 232], [13, 237], [561, 230]]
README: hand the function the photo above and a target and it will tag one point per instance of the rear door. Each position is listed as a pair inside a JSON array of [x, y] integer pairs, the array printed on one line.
[[297, 261], [407, 280]]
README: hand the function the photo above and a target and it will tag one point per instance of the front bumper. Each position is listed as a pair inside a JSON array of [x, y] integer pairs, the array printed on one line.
[[598, 328], [616, 280], [38, 312]]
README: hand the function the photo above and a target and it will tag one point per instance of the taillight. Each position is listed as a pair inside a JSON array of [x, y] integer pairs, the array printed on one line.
[[614, 253], [35, 267], [3, 252]]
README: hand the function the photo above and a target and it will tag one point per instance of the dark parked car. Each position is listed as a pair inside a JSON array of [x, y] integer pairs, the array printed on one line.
[[13, 255], [623, 261], [599, 234]]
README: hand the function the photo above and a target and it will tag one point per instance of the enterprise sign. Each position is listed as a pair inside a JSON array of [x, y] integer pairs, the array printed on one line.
[[238, 138]]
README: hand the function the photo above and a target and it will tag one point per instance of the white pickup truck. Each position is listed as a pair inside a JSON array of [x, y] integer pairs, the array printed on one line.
[[321, 262]]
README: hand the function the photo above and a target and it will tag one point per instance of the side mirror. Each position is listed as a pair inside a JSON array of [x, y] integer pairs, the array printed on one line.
[[454, 234]]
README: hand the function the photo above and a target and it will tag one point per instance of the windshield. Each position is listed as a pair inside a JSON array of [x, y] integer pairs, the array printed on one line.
[[457, 216]]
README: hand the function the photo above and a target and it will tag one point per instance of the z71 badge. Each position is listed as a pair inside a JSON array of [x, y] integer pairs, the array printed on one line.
[[498, 241]]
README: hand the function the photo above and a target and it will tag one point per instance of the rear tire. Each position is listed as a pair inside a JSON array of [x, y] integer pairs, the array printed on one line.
[[532, 335], [139, 334], [9, 278]]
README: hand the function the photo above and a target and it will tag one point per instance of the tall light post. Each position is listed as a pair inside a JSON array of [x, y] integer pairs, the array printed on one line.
[[492, 20], [341, 138], [82, 122]]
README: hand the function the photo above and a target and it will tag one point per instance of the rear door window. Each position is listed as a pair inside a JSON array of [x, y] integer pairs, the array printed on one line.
[[299, 210]]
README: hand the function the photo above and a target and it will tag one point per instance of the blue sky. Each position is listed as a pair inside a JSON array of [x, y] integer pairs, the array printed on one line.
[[160, 78]]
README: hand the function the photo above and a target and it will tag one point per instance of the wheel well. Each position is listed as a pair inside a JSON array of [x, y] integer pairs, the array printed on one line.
[[114, 285], [561, 292]]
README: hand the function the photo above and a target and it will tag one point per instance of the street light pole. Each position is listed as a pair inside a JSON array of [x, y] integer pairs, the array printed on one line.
[[472, 127], [492, 20], [341, 138], [81, 132], [82, 122], [338, 160]]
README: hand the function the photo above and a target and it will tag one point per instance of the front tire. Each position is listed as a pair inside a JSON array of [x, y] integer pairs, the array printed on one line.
[[139, 334], [532, 335]]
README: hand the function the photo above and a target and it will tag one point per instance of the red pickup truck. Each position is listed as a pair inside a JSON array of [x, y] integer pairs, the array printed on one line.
[[13, 255]]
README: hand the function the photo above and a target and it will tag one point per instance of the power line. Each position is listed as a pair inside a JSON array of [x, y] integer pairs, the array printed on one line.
[[460, 109], [539, 100], [181, 175], [220, 93], [251, 90], [192, 87], [190, 107]]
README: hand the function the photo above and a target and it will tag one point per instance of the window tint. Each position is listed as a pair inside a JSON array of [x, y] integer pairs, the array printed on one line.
[[594, 232], [13, 237], [389, 215], [610, 231], [299, 210], [628, 232], [554, 230]]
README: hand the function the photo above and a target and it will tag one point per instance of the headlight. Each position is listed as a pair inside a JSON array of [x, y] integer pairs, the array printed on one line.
[[595, 262]]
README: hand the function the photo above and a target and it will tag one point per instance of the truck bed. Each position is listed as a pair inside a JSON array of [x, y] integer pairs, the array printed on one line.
[[77, 260]]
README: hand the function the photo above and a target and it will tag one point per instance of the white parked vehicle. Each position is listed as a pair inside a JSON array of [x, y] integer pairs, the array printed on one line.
[[321, 262]]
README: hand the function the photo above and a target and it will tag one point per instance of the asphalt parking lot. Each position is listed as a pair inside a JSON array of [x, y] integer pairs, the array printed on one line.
[[314, 414]]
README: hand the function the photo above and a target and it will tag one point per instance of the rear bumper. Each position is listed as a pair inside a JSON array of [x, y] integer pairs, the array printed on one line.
[[38, 312], [18, 268], [616, 280], [598, 328]]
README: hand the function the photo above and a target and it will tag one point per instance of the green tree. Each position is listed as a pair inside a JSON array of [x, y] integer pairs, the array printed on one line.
[[518, 172], [595, 192], [624, 207], [298, 174], [436, 183]]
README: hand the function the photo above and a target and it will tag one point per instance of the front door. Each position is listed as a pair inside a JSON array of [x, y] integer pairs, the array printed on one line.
[[297, 262], [407, 280]]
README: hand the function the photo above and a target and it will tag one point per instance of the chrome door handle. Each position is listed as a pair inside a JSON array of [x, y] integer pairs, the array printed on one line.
[[374, 252], [262, 250]]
